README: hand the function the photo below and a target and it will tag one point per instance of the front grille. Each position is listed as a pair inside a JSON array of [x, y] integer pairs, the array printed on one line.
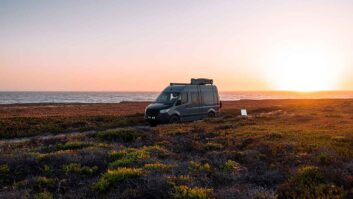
[[152, 112]]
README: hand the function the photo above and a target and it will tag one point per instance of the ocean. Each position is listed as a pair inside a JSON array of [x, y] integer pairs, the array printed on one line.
[[116, 97]]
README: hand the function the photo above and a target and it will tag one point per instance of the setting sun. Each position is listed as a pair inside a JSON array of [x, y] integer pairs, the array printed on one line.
[[304, 68]]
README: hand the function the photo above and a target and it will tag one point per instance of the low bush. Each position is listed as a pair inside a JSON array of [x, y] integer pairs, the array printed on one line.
[[4, 169], [324, 159], [232, 166], [195, 166], [44, 195], [78, 169], [185, 192], [112, 177], [129, 157], [309, 183], [125, 135], [73, 145], [211, 146], [159, 166], [157, 151], [43, 182]]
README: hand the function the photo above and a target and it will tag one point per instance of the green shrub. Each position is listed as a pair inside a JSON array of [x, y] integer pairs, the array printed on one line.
[[46, 169], [182, 179], [309, 184], [324, 159], [78, 169], [195, 166], [213, 146], [157, 151], [45, 182], [185, 192], [73, 145], [159, 166], [117, 154], [129, 158], [275, 135], [308, 175], [112, 177], [126, 135], [44, 195], [4, 169], [231, 166]]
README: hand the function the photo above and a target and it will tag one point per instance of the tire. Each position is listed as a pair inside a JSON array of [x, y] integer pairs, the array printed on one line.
[[174, 119], [153, 124], [211, 114]]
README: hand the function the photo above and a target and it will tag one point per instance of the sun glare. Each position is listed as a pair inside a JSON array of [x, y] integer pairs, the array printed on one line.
[[305, 70]]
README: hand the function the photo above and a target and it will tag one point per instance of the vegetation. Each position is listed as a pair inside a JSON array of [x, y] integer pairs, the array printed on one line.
[[124, 135], [283, 149], [184, 192], [77, 168], [112, 177]]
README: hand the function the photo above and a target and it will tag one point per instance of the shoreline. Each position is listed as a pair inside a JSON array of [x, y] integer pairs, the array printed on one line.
[[126, 102]]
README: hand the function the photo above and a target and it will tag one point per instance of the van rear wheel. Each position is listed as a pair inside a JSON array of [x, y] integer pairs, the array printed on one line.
[[211, 114], [174, 119]]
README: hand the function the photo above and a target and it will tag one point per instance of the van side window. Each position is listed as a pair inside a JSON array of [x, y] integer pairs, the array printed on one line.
[[194, 98], [207, 98], [184, 97]]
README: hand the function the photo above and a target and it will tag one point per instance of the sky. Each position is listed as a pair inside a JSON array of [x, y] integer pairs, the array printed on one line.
[[84, 45]]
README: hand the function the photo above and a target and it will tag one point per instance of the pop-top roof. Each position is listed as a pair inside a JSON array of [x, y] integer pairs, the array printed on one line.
[[195, 81]]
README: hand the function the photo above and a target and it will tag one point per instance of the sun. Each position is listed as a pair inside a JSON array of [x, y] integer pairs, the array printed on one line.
[[304, 69]]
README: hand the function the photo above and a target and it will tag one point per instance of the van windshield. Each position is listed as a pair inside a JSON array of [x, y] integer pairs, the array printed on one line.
[[167, 97]]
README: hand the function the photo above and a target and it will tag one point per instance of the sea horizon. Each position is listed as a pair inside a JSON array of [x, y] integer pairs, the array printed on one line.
[[28, 97]]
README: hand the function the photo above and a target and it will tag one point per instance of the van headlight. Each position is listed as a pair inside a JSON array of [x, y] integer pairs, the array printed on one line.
[[164, 110]]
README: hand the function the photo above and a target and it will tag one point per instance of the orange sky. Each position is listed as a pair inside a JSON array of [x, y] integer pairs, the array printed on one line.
[[144, 45]]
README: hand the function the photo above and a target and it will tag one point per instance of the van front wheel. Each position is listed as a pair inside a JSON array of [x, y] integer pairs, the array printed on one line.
[[211, 114], [153, 124], [174, 119]]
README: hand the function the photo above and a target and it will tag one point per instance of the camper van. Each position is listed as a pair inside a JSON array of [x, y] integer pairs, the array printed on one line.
[[181, 102]]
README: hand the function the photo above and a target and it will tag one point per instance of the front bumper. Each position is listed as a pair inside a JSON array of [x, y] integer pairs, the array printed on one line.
[[160, 118]]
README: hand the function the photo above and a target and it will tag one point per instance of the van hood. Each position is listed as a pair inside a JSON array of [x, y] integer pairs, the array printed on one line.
[[158, 106]]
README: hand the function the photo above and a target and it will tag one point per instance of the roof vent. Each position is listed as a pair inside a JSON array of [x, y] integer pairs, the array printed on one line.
[[201, 81]]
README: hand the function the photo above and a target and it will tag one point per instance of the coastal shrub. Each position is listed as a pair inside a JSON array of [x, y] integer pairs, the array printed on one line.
[[78, 169], [129, 157], [112, 177], [232, 166], [44, 195], [196, 166], [46, 169], [4, 172], [158, 166], [211, 146], [275, 135], [185, 192], [309, 183], [308, 175], [125, 135], [182, 179], [4, 169], [157, 151], [117, 154], [73, 145], [324, 159], [43, 182]]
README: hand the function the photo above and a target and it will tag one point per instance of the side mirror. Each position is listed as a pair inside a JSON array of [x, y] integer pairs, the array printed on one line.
[[178, 102]]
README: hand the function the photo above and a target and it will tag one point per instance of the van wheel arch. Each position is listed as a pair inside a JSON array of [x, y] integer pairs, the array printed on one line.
[[174, 119], [211, 114]]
